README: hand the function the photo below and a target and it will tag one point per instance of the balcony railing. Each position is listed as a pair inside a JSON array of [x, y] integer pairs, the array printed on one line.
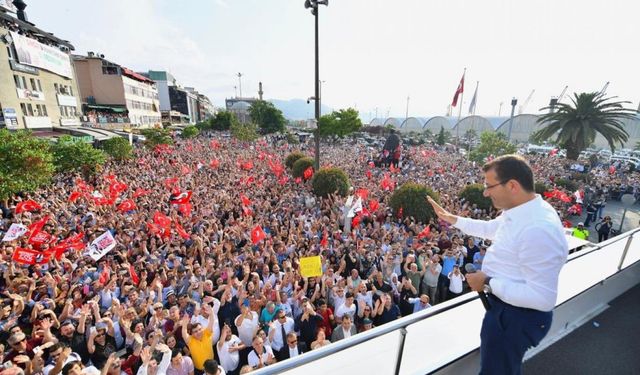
[[433, 339]]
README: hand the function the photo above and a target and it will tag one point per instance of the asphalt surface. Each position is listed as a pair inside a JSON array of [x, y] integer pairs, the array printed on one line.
[[607, 344], [614, 209]]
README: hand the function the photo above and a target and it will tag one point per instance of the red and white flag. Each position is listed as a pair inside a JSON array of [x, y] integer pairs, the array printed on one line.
[[140, 192], [15, 231], [425, 232], [28, 206], [126, 206], [257, 234], [30, 257], [308, 173], [459, 91], [74, 196], [161, 220], [182, 198]]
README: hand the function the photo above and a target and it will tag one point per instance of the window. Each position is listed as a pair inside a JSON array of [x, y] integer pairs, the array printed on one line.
[[34, 87], [55, 86], [44, 110], [39, 85], [24, 83], [70, 90], [27, 109], [16, 79]]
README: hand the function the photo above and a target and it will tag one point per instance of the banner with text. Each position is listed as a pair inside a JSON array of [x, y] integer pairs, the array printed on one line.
[[31, 52], [15, 231], [311, 266], [101, 245]]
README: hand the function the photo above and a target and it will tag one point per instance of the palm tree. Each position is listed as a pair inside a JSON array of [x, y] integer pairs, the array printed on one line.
[[575, 125]]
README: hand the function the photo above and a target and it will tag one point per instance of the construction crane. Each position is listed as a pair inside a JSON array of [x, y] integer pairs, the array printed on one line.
[[562, 93], [524, 105]]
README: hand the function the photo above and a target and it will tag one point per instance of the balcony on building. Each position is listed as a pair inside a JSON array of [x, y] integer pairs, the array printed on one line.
[[106, 116]]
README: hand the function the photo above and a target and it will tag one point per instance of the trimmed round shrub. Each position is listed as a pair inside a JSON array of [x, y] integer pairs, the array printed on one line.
[[540, 188], [567, 184], [474, 194], [329, 180], [301, 165], [292, 158], [412, 198]]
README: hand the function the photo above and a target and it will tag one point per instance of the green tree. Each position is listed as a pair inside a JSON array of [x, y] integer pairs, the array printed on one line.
[[574, 126], [269, 118], [223, 120], [340, 123], [156, 137], [26, 162], [203, 125], [428, 134], [491, 143], [329, 180], [189, 132], [474, 194], [118, 148], [76, 156], [244, 132], [442, 139], [412, 198]]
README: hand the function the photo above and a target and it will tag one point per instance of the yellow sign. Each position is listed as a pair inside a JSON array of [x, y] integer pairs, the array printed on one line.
[[311, 266]]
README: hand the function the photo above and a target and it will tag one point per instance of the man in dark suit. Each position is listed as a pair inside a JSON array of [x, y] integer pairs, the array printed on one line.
[[293, 348], [345, 330]]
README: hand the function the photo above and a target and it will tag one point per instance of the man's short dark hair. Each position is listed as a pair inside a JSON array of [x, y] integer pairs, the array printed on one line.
[[175, 352], [512, 167], [211, 367]]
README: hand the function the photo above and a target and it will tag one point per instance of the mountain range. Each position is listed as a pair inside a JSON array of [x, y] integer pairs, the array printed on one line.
[[298, 109]]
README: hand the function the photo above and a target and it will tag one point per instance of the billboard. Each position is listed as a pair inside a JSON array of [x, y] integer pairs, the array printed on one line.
[[31, 52]]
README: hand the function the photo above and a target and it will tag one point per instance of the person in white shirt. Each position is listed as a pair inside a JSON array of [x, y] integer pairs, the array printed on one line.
[[278, 331], [229, 348], [347, 308], [455, 282], [247, 323], [261, 355], [521, 268]]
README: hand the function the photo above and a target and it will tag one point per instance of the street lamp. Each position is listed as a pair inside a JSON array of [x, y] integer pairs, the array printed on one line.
[[313, 5], [240, 83], [514, 102]]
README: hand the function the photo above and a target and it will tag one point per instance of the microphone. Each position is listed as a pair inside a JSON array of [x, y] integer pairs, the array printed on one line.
[[470, 268]]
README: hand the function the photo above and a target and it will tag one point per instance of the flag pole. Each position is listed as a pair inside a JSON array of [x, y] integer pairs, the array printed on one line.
[[460, 109], [475, 95]]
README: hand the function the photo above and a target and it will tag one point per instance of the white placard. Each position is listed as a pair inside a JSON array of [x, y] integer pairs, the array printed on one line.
[[15, 231], [101, 245]]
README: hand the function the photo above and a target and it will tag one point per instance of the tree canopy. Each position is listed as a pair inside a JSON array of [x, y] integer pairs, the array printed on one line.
[[71, 155], [269, 118], [574, 126], [340, 123], [244, 132], [118, 148], [26, 162], [491, 144], [223, 120], [156, 137]]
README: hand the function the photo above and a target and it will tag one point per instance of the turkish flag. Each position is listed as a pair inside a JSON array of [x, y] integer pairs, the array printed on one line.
[[183, 233], [28, 206], [459, 91], [356, 221], [161, 220], [373, 205], [215, 144], [308, 173], [567, 224], [325, 240], [247, 166], [105, 275], [257, 234], [74, 196], [245, 201], [140, 192], [182, 198], [184, 169], [28, 256], [283, 180], [215, 163], [127, 205], [362, 193], [368, 174], [117, 187], [169, 182], [185, 209], [612, 170], [298, 180], [134, 275], [153, 228], [246, 211], [37, 226], [387, 183], [372, 164], [425, 232]]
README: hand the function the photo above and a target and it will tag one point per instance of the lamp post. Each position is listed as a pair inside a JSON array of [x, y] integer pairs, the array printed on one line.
[[313, 5], [240, 83], [514, 102]]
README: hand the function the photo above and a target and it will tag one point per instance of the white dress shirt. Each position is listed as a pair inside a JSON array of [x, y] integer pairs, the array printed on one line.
[[528, 250], [279, 341]]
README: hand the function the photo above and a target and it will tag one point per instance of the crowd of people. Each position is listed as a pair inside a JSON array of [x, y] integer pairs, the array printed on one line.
[[186, 286]]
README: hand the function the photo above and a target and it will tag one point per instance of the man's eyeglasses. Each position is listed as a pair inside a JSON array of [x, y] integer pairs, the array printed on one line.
[[293, 342], [487, 187]]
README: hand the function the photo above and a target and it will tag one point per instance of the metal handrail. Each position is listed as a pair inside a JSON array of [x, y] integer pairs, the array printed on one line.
[[404, 322]]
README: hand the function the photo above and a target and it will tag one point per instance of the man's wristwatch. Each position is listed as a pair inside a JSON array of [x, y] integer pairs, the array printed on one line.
[[487, 288]]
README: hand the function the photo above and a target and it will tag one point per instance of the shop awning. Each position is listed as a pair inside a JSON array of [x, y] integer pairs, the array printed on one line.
[[115, 109]]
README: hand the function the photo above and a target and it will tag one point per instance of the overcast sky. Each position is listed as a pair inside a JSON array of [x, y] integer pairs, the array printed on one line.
[[373, 53]]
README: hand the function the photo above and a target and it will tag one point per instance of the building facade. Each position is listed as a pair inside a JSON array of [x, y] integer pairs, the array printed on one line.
[[38, 86], [116, 97]]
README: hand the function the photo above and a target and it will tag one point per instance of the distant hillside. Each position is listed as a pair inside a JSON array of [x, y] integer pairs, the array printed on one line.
[[298, 109]]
